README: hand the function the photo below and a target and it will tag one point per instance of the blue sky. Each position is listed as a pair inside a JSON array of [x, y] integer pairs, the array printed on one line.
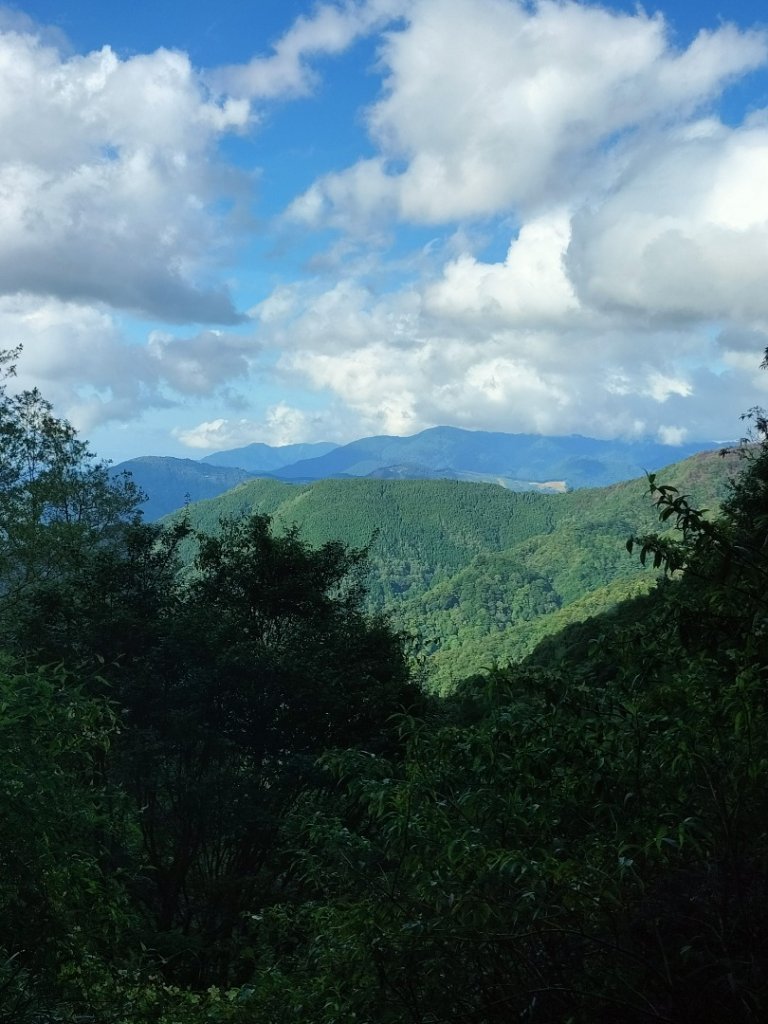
[[285, 221]]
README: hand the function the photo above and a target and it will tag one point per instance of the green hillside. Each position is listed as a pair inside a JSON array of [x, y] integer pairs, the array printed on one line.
[[473, 573]]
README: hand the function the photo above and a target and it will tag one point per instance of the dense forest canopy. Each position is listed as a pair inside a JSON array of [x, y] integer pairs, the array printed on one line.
[[225, 799]]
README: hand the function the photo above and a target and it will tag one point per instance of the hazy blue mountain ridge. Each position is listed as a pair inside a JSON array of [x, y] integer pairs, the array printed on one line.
[[518, 462], [258, 457], [169, 483], [525, 458]]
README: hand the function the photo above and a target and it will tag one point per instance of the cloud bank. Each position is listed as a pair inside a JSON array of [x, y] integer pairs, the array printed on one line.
[[629, 298], [640, 238], [107, 180]]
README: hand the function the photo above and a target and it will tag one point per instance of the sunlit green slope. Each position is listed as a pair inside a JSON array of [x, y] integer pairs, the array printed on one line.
[[475, 573]]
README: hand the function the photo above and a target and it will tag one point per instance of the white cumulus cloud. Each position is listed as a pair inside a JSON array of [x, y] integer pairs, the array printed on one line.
[[82, 360], [629, 296], [281, 424], [684, 234], [490, 105], [107, 179], [530, 286], [287, 71], [633, 280]]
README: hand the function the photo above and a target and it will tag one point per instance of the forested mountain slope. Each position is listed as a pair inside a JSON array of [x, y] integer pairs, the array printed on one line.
[[475, 573], [520, 462]]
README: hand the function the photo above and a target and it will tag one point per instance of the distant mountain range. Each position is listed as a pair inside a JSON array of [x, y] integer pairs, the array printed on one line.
[[530, 460], [264, 458], [476, 572], [169, 483], [519, 462]]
